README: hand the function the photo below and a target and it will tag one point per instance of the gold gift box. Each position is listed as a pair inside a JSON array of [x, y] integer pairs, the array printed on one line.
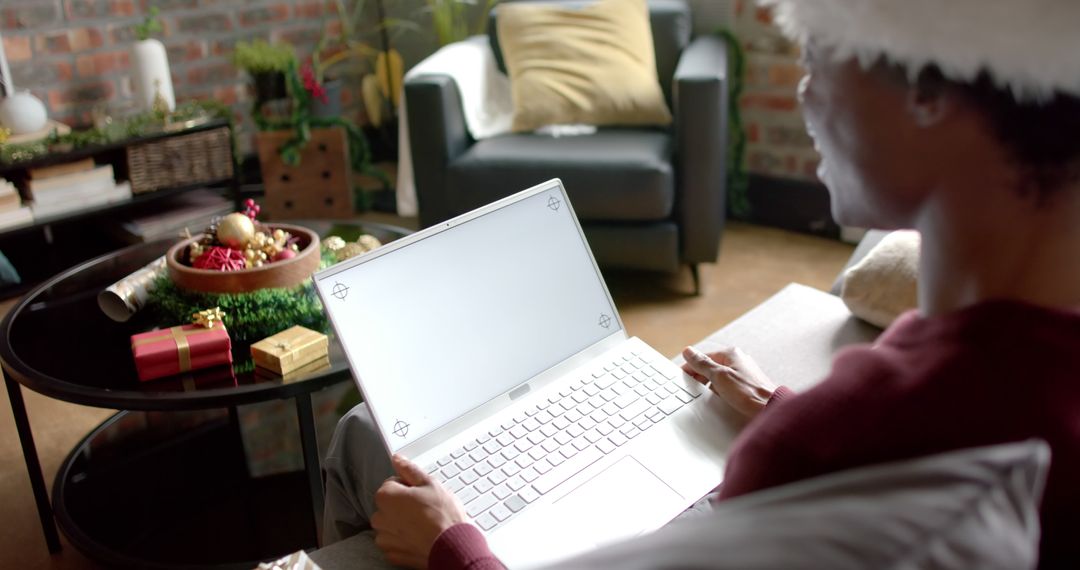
[[289, 350], [303, 372]]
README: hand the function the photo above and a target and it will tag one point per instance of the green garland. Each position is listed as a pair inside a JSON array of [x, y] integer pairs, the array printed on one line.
[[301, 122], [738, 181], [141, 125], [249, 317]]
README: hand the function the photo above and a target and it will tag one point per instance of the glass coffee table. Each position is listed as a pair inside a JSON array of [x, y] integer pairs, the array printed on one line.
[[163, 483]]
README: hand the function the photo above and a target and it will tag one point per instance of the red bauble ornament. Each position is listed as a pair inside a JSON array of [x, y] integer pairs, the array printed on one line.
[[221, 259], [251, 209], [285, 254]]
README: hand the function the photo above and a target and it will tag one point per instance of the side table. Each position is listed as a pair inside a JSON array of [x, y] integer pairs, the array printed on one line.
[[97, 370]]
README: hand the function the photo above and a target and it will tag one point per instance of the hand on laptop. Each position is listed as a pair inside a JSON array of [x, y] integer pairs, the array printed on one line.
[[731, 374], [412, 510]]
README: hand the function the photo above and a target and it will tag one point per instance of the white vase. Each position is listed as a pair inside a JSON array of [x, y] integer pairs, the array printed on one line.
[[150, 74], [22, 113]]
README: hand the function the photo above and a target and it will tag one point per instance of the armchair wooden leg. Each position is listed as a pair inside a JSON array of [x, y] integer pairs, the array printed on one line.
[[696, 274]]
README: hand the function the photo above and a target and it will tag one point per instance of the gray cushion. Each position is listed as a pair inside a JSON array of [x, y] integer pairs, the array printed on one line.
[[671, 26], [974, 508], [615, 174]]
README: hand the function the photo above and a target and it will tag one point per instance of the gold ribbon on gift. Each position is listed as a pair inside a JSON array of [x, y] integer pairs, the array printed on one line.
[[208, 318], [295, 337], [179, 336]]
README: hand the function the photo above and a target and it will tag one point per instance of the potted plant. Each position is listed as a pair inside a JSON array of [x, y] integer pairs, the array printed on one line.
[[380, 84], [381, 76], [267, 64], [150, 73], [450, 19]]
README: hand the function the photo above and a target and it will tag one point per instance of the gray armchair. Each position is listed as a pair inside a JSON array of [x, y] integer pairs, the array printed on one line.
[[648, 198]]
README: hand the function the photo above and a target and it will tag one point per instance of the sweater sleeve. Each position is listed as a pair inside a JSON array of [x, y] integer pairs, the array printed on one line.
[[780, 394], [462, 547], [829, 427]]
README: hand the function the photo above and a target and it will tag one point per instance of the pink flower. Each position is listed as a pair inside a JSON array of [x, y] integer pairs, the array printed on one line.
[[307, 74]]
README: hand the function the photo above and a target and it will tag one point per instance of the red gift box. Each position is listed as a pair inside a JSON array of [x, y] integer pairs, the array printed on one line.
[[180, 349], [205, 379]]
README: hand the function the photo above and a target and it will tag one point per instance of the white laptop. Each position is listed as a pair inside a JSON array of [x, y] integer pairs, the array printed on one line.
[[490, 352]]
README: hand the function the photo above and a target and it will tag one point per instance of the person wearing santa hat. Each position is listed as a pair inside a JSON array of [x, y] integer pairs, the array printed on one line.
[[959, 119]]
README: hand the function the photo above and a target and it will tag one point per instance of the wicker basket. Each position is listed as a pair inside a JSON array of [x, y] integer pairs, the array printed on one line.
[[181, 160]]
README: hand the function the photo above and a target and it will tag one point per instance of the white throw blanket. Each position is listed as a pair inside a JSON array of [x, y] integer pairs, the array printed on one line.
[[485, 99]]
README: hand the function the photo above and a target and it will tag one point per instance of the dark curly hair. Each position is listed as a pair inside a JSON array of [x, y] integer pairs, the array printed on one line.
[[1043, 138]]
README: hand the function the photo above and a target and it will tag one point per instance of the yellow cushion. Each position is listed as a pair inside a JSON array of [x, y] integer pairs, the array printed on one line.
[[593, 65], [884, 284]]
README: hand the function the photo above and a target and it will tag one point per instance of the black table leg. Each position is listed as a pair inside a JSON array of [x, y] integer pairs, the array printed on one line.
[[310, 446], [33, 465], [241, 453]]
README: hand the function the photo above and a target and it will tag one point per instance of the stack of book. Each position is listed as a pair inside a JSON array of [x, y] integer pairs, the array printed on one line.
[[12, 212], [192, 211], [74, 186]]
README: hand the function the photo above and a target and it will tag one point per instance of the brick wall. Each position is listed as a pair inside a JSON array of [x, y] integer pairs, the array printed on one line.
[[777, 143], [73, 54]]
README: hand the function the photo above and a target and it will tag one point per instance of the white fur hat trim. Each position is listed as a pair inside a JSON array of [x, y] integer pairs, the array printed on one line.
[[1031, 47]]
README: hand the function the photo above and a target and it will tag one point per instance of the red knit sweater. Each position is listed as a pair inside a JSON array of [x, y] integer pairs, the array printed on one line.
[[996, 372]]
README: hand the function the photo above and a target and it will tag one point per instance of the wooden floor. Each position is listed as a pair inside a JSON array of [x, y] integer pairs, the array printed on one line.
[[755, 262]]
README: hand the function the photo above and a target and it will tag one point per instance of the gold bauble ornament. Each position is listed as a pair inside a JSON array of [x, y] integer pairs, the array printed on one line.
[[333, 243], [235, 230], [194, 251], [368, 242], [351, 249]]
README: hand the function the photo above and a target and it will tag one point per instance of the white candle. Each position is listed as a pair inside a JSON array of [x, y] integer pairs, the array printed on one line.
[[9, 87]]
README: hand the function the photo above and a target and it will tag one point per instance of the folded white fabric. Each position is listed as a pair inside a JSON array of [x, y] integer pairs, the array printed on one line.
[[557, 131], [884, 284], [486, 103], [295, 561]]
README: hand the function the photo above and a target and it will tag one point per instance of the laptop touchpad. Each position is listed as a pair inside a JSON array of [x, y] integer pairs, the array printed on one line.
[[616, 491]]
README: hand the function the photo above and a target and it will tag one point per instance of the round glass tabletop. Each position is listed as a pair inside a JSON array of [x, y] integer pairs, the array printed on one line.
[[56, 341]]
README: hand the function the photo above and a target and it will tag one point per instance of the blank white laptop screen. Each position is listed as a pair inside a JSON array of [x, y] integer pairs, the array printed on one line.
[[442, 325]]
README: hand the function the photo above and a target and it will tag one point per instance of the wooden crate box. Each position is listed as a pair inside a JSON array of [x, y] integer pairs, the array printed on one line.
[[319, 187]]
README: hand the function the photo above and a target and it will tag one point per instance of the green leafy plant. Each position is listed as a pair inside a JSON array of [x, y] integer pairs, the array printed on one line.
[[150, 26], [262, 57], [738, 181], [450, 18], [301, 121], [381, 80]]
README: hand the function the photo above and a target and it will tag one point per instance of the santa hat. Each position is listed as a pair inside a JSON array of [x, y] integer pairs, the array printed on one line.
[[1030, 47]]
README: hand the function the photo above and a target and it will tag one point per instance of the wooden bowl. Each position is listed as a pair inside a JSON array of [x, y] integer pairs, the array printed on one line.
[[285, 273]]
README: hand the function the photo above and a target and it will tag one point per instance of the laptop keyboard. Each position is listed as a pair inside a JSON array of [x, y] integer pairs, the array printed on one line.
[[514, 464]]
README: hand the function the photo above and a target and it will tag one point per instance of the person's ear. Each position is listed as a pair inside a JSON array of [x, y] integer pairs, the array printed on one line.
[[929, 103]]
